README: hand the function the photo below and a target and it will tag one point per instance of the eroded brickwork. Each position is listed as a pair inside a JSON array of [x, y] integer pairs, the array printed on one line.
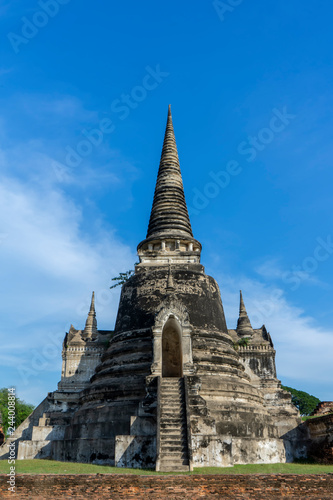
[[194, 487], [321, 433], [323, 408]]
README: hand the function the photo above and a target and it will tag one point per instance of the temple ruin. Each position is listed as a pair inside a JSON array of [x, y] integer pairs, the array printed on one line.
[[171, 387]]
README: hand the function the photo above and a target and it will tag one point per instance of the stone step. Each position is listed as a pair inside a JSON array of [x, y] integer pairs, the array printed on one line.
[[171, 405], [174, 454], [170, 418], [172, 423], [171, 388], [173, 444], [166, 408], [171, 461], [171, 402], [176, 398], [172, 437], [178, 441], [44, 421], [174, 468], [171, 395], [171, 414], [175, 434], [28, 450], [170, 380], [174, 462], [173, 450], [173, 427], [165, 433]]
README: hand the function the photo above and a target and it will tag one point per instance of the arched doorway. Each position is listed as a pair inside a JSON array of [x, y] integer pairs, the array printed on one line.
[[171, 349]]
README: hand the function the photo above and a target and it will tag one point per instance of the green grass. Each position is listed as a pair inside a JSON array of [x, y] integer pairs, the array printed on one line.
[[54, 467], [315, 416]]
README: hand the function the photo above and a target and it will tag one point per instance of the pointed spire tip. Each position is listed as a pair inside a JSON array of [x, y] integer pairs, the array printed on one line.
[[169, 215], [90, 330], [92, 304], [244, 326]]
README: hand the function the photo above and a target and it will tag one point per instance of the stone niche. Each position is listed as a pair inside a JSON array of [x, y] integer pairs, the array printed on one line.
[[171, 349]]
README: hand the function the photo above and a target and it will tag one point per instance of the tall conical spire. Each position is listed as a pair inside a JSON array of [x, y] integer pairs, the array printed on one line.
[[244, 327], [169, 216], [169, 236], [90, 330]]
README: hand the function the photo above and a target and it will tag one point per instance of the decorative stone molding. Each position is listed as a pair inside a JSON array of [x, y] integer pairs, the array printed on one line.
[[177, 311]]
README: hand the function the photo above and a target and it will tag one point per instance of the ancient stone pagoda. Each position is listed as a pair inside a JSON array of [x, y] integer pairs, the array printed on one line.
[[171, 387]]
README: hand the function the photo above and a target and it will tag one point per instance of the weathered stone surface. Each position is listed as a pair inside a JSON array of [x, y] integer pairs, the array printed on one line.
[[323, 408], [321, 434], [244, 327], [135, 451], [169, 214], [194, 487]]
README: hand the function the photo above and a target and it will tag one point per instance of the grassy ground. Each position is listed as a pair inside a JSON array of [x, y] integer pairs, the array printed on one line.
[[315, 416], [53, 467]]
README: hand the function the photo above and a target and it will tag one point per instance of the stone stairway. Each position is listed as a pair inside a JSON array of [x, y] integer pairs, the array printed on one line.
[[173, 426], [51, 427]]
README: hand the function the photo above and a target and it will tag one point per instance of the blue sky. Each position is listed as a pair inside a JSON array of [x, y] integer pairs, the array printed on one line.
[[84, 89]]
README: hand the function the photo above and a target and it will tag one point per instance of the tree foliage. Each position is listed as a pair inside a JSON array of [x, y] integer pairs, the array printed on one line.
[[123, 277], [302, 400], [22, 410], [241, 343]]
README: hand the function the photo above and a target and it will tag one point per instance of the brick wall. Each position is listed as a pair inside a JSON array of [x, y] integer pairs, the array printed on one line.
[[193, 487], [321, 434], [323, 407]]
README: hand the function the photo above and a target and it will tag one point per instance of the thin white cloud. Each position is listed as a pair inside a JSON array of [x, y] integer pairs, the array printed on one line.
[[65, 107], [51, 264], [5, 71], [303, 348], [272, 270], [45, 240]]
